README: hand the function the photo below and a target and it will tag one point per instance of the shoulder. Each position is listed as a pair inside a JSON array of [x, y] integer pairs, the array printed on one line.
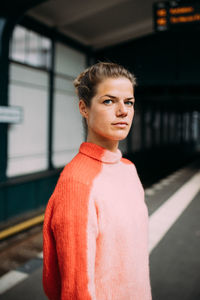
[[70, 195], [126, 161], [73, 168], [129, 165], [81, 169], [76, 178]]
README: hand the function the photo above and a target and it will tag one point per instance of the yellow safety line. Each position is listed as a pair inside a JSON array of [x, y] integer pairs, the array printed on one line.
[[21, 226]]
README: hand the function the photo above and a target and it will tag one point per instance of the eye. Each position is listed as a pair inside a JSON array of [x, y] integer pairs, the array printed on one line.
[[129, 103], [107, 101]]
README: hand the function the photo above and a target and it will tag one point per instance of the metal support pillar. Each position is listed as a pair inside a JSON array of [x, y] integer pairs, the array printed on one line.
[[181, 127], [51, 104], [153, 128], [190, 127], [168, 127], [161, 128], [177, 127]]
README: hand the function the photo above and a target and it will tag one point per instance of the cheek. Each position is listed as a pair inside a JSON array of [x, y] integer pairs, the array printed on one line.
[[95, 120], [133, 114], [99, 118]]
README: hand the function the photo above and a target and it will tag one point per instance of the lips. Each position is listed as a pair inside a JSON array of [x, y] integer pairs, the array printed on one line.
[[120, 123]]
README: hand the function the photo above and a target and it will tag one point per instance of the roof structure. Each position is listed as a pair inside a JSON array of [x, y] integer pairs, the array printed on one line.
[[97, 23]]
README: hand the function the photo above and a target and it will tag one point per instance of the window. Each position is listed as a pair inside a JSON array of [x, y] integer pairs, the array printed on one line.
[[67, 128], [29, 89], [28, 141], [30, 48]]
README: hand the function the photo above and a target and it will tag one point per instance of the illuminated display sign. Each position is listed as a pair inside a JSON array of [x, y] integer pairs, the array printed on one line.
[[11, 114], [173, 14]]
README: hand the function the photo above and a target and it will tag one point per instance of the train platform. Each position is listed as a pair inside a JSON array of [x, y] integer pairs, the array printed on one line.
[[174, 243]]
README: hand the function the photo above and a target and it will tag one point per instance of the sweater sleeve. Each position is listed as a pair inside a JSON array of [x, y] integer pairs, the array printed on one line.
[[70, 243]]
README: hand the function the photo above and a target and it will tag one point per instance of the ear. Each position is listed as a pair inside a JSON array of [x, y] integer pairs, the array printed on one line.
[[83, 109]]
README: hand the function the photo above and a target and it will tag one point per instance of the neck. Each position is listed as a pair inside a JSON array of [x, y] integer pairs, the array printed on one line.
[[105, 143]]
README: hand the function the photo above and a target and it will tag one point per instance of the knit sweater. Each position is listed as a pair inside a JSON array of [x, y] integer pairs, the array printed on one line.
[[96, 230]]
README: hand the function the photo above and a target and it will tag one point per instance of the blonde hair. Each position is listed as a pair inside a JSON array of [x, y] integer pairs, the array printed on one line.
[[86, 83]]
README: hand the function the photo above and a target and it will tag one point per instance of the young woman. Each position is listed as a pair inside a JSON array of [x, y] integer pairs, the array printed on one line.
[[96, 222]]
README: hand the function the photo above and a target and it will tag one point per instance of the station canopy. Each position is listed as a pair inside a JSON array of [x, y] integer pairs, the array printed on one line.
[[97, 23]]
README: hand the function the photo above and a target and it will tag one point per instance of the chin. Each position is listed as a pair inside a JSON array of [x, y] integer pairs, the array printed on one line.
[[119, 137], [113, 136]]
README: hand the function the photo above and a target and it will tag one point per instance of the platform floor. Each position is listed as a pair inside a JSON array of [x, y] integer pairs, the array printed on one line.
[[174, 222]]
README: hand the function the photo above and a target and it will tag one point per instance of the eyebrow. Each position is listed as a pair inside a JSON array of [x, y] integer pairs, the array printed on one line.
[[113, 97]]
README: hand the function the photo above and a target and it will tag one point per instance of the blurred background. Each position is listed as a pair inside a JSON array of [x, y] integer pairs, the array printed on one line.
[[44, 45]]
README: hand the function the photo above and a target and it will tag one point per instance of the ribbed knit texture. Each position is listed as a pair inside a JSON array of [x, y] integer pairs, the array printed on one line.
[[96, 230]]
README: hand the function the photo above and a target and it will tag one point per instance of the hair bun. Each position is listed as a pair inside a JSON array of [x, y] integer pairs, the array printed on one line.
[[78, 79]]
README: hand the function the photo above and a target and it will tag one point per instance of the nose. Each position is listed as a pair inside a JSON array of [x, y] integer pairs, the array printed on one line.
[[121, 110]]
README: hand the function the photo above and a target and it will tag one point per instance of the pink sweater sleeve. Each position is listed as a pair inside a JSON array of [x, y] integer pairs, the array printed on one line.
[[70, 232]]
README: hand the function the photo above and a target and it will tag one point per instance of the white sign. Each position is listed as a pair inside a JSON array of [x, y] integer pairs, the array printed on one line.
[[11, 114]]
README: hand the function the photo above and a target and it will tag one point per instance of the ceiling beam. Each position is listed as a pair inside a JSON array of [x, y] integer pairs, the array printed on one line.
[[92, 10], [124, 34], [70, 14]]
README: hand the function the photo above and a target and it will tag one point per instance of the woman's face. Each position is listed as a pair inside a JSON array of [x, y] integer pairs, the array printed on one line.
[[110, 115]]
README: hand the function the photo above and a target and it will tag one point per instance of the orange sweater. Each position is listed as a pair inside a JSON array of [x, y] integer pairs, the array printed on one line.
[[96, 230]]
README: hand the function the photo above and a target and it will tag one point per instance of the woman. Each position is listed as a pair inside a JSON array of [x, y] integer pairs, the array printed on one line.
[[96, 221]]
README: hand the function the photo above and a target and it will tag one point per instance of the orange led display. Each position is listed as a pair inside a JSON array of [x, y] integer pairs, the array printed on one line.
[[161, 12], [181, 10], [161, 21], [186, 19], [172, 15]]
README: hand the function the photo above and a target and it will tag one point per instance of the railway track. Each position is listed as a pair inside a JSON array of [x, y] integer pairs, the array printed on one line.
[[21, 247]]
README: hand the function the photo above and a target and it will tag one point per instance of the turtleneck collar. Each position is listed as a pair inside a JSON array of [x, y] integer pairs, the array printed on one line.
[[99, 153]]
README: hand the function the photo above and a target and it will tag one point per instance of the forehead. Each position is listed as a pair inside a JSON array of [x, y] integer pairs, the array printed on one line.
[[116, 87]]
